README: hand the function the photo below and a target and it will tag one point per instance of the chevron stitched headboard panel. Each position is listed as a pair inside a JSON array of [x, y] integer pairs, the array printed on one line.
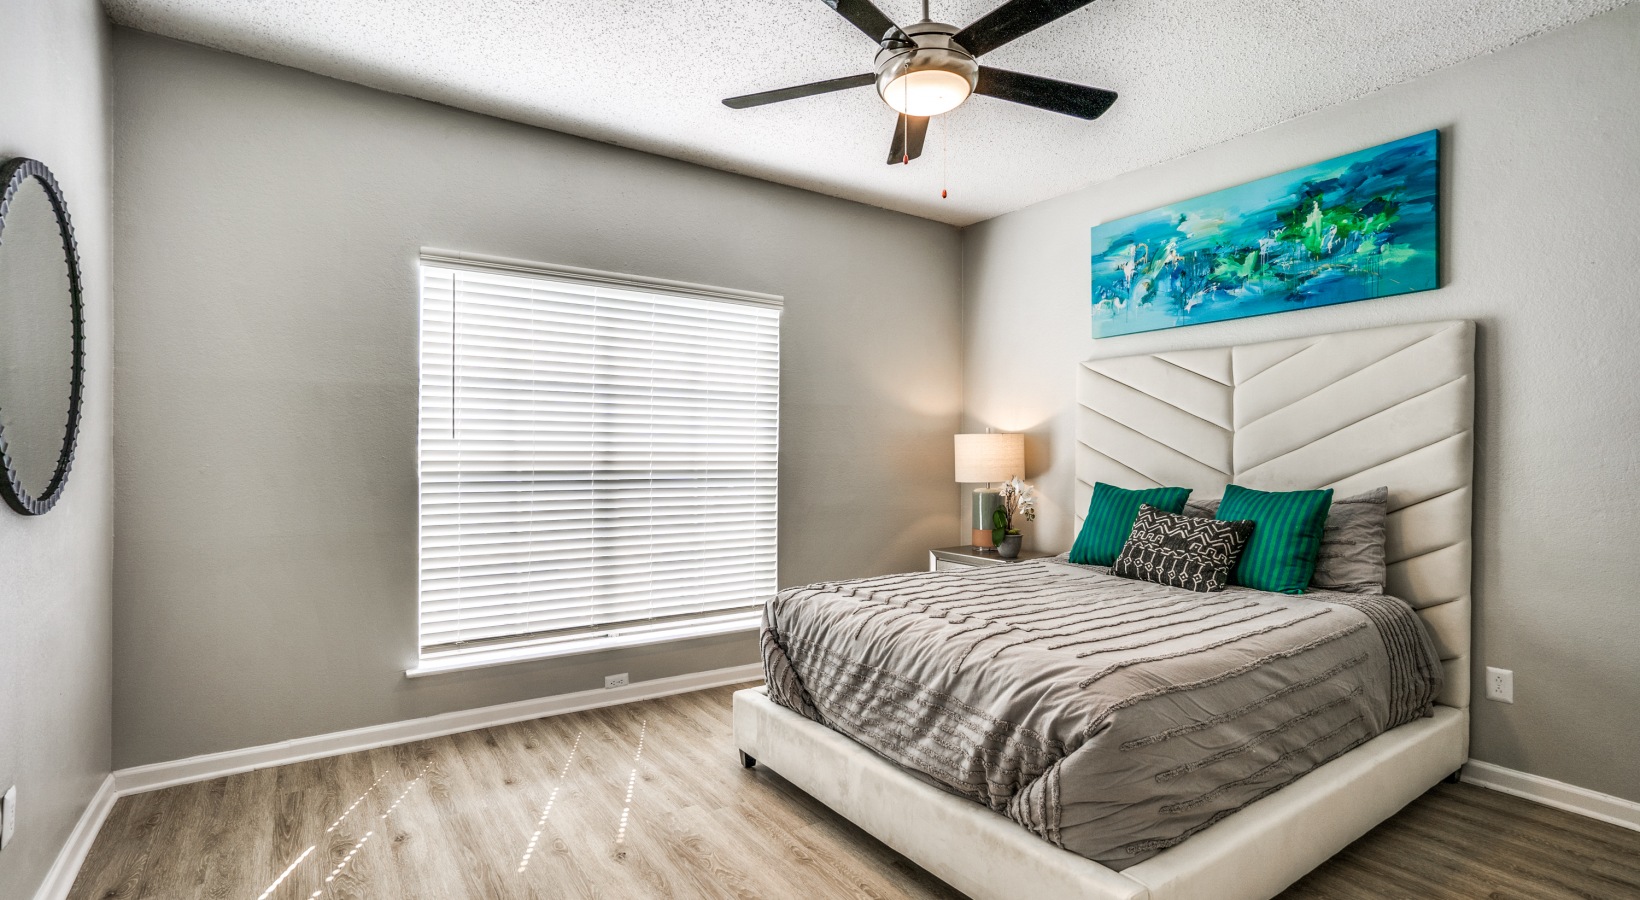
[[1350, 411]]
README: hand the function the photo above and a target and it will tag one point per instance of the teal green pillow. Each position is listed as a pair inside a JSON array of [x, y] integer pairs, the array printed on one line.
[[1110, 520], [1280, 556]]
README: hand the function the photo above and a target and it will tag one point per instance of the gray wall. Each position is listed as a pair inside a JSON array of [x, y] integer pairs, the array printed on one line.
[[55, 594], [268, 226], [1539, 186]]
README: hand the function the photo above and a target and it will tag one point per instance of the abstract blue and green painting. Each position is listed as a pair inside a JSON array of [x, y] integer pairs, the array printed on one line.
[[1359, 226]]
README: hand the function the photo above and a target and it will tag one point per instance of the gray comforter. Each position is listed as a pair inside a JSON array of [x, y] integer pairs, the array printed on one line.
[[1113, 718]]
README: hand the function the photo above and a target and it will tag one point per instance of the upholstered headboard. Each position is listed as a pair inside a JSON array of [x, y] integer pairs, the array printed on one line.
[[1350, 411]]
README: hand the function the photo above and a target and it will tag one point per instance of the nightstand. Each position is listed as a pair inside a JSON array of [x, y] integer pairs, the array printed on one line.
[[948, 558]]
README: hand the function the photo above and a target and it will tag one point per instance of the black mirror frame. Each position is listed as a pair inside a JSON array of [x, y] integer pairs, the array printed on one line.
[[13, 175]]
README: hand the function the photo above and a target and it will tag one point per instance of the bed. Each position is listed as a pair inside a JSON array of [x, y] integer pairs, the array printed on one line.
[[1349, 411]]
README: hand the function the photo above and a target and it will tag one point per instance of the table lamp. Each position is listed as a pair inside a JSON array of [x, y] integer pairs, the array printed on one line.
[[987, 459]]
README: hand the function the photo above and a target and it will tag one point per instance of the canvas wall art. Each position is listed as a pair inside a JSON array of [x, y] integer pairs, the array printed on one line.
[[1359, 226]]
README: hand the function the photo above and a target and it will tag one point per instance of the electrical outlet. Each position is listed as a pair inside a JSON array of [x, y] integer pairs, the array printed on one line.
[[1500, 685], [615, 681], [8, 816]]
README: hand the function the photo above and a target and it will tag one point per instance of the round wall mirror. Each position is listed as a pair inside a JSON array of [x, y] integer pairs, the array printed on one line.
[[42, 338]]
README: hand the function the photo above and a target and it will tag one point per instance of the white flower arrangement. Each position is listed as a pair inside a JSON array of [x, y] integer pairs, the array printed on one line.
[[1018, 503]]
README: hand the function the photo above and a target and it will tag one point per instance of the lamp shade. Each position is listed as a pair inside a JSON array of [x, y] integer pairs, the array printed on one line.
[[984, 458]]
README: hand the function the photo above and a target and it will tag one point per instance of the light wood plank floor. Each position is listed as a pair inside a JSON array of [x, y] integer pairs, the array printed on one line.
[[649, 800]]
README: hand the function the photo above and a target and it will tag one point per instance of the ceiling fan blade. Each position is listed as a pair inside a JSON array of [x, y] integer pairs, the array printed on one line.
[[802, 90], [909, 132], [1044, 93], [1013, 19], [864, 16]]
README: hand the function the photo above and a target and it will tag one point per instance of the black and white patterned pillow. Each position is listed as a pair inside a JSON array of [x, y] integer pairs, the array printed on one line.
[[1183, 551]]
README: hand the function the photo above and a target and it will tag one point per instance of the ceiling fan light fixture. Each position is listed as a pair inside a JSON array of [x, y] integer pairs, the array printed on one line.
[[923, 72], [926, 92]]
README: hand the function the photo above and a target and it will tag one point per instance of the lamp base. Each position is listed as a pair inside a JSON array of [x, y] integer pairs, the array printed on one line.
[[985, 504]]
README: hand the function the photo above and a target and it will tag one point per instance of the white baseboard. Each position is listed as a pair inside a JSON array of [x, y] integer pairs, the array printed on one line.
[[69, 859], [1558, 794], [154, 776]]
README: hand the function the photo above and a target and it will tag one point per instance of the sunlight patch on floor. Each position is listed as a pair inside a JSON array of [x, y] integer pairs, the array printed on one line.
[[342, 865], [407, 789], [354, 805], [541, 823], [632, 783], [286, 874]]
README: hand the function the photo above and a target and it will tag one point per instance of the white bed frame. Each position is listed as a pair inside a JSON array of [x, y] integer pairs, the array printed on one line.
[[1350, 411]]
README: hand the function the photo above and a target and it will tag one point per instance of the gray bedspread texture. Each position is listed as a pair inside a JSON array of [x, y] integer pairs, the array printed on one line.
[[1110, 717]]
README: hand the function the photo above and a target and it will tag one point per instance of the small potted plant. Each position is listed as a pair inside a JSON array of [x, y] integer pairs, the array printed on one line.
[[1016, 503]]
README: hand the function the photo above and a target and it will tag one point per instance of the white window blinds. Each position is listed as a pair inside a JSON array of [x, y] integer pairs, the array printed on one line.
[[597, 460]]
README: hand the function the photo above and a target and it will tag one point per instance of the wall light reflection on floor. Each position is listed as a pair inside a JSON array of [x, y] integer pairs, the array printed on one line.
[[541, 823]]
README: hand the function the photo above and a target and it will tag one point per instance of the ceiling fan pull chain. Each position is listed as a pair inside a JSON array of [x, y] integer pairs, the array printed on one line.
[[905, 126], [945, 143]]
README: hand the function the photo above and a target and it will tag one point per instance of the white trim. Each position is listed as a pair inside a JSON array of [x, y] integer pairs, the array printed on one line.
[[461, 660], [1557, 794], [69, 859], [154, 776], [507, 266]]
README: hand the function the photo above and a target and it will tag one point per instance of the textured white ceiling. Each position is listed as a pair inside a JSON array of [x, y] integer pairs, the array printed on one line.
[[650, 75]]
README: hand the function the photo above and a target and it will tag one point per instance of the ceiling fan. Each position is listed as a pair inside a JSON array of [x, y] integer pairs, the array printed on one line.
[[930, 68]]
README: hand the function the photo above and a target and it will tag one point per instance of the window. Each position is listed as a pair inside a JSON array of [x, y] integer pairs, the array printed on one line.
[[597, 462]]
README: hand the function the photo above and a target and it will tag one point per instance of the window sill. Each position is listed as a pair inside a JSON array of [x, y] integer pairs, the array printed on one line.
[[614, 639]]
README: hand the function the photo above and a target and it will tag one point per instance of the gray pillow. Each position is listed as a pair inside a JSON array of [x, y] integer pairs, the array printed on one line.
[[1352, 542], [1352, 545], [1202, 509]]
